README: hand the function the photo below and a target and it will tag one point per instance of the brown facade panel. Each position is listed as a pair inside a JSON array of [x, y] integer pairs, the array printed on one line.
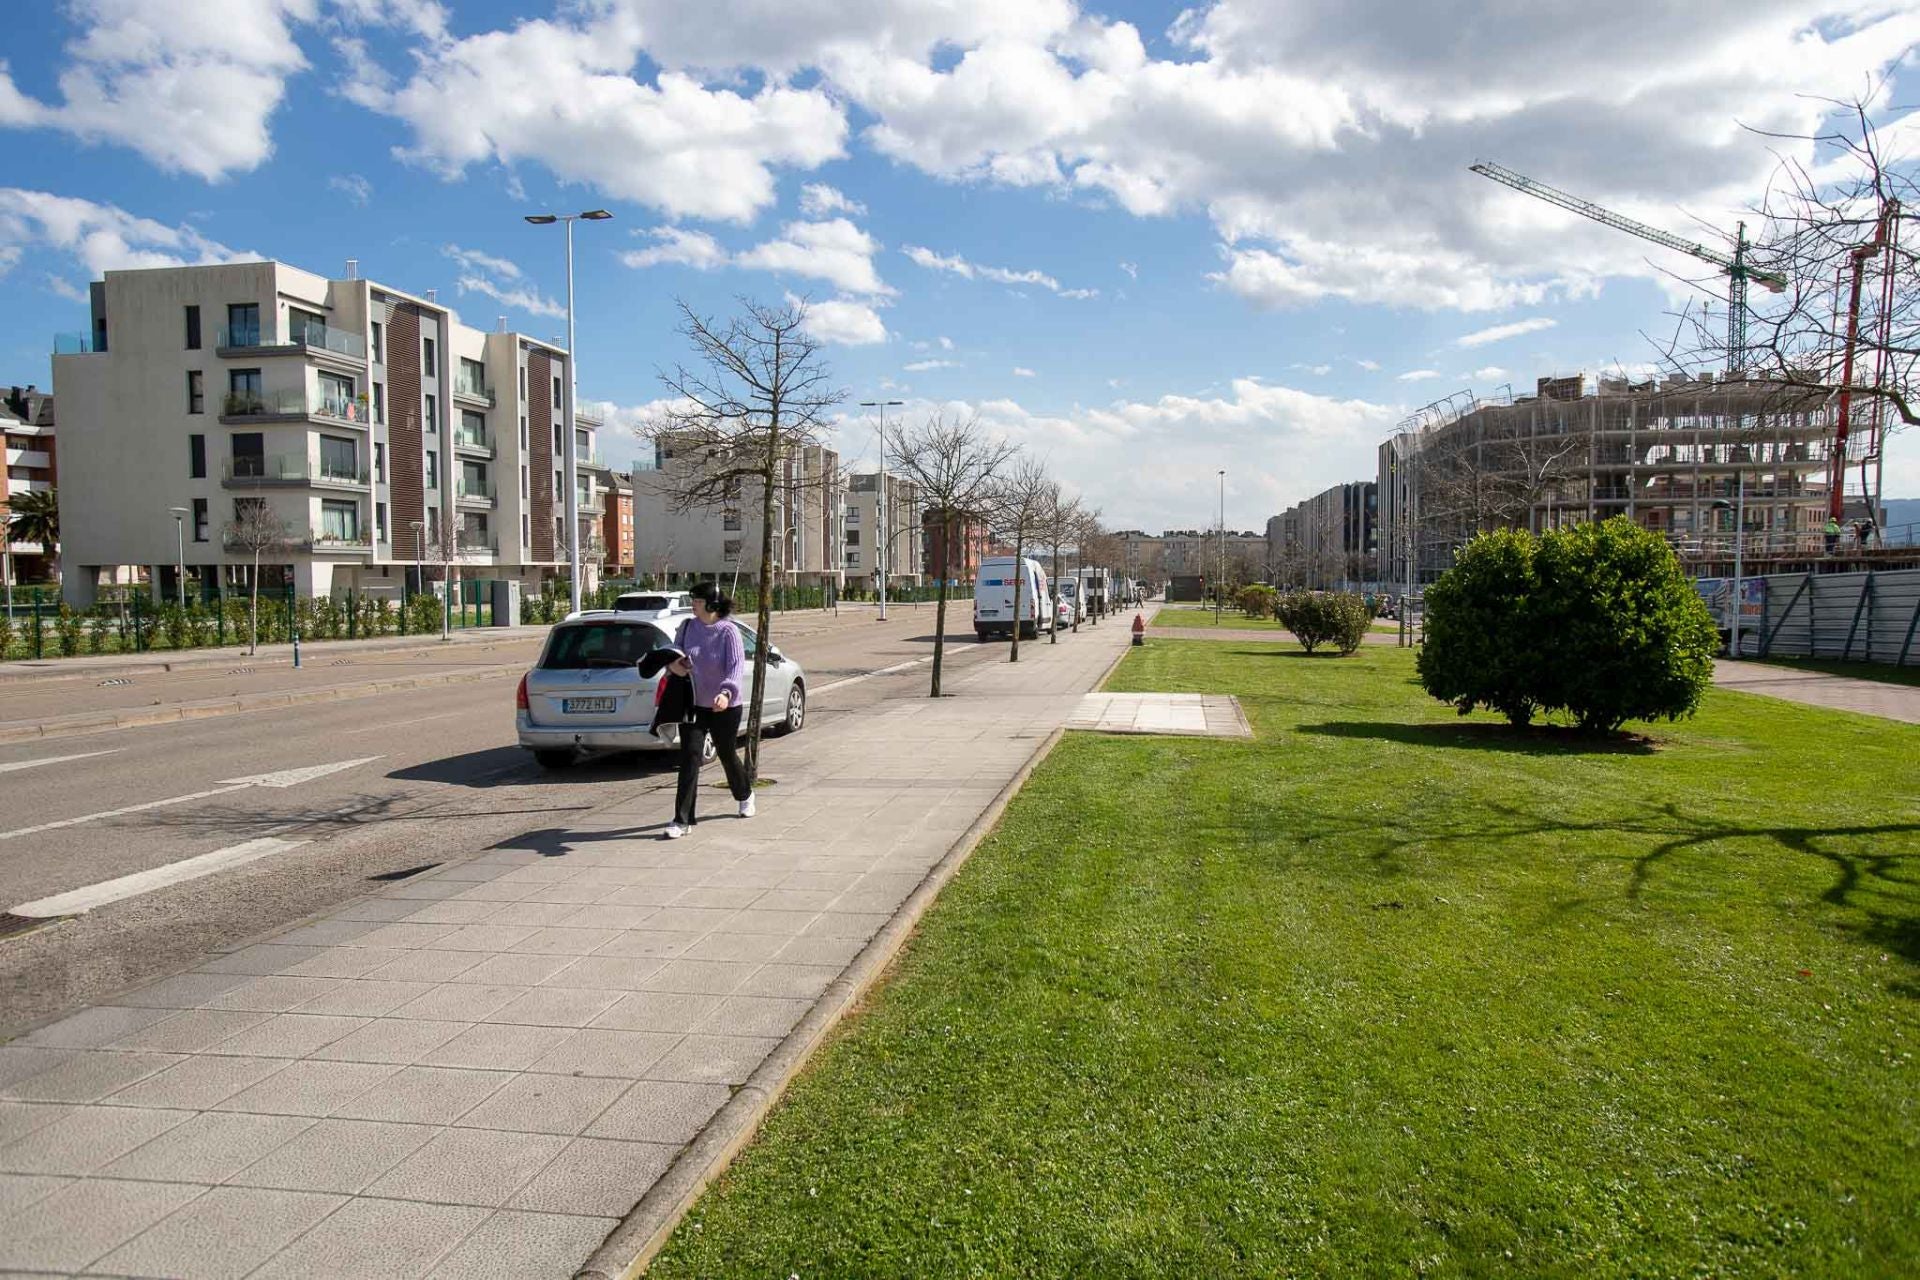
[[540, 367], [406, 460]]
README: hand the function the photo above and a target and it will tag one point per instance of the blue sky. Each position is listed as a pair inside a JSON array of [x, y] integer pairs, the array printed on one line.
[[1147, 241]]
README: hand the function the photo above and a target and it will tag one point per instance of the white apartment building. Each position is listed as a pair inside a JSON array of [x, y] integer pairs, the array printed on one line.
[[901, 536], [379, 432], [26, 423], [723, 540]]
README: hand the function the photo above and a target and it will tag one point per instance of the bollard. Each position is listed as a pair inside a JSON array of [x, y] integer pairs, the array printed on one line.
[[296, 646]]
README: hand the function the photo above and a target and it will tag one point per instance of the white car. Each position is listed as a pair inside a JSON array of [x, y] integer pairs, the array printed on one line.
[[655, 604], [585, 694], [1063, 613]]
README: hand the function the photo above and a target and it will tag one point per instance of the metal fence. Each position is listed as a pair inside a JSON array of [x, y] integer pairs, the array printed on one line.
[[1866, 617]]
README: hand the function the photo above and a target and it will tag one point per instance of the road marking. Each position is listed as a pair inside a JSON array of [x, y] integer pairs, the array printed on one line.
[[284, 778], [884, 671], [79, 901], [35, 764]]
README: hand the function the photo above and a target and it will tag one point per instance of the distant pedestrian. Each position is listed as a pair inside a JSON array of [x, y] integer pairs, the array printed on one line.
[[1833, 535], [715, 661], [1863, 532]]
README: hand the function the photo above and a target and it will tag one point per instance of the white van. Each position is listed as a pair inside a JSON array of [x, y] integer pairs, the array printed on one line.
[[993, 592]]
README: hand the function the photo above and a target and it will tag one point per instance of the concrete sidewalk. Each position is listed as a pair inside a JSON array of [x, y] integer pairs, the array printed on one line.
[[480, 1070], [1843, 693]]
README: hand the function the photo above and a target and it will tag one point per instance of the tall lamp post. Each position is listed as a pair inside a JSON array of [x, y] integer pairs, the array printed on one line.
[[573, 391], [1739, 560], [180, 515], [1220, 583], [882, 547]]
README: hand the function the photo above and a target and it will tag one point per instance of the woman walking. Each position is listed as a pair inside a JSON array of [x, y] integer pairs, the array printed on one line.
[[715, 661]]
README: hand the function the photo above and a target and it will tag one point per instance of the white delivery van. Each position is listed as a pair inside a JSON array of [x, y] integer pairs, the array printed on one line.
[[993, 592]]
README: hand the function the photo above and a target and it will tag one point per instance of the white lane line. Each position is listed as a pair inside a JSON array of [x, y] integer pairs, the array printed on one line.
[[283, 778], [35, 764], [884, 671], [99, 895]]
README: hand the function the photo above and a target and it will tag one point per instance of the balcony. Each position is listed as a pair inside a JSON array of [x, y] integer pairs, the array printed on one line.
[[357, 541], [74, 344], [466, 441], [591, 461], [473, 493], [475, 545], [38, 458], [247, 407], [473, 389], [303, 339], [291, 471]]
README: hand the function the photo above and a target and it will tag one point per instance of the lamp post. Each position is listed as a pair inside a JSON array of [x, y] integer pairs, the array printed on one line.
[[573, 380], [1739, 559], [1220, 583], [882, 547], [180, 515]]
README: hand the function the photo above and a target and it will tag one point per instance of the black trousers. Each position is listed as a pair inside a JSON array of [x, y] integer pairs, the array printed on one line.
[[724, 727]]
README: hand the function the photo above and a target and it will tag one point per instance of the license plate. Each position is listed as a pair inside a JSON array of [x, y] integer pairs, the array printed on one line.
[[571, 705], [989, 613]]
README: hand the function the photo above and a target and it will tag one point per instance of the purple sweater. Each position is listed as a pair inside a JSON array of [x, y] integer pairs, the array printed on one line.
[[717, 658]]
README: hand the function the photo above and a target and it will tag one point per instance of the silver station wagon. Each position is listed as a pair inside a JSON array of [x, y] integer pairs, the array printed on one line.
[[585, 694]]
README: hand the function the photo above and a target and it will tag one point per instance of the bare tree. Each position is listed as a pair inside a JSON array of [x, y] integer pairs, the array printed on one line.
[[256, 530], [758, 394], [1020, 505], [445, 538], [956, 466], [1059, 529]]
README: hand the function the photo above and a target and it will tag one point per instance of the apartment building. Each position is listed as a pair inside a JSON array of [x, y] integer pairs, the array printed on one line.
[[953, 545], [381, 436], [1330, 540], [723, 539], [616, 527], [895, 527], [26, 422]]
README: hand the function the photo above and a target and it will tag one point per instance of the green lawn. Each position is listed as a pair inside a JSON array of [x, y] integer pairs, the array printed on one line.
[[1196, 617], [1383, 992], [1883, 671]]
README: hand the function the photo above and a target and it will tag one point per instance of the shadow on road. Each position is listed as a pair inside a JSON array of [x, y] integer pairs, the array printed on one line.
[[514, 767]]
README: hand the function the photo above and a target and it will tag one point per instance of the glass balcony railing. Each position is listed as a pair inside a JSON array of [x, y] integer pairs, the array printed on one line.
[[465, 384], [474, 544], [469, 490], [308, 336], [465, 439], [340, 539], [292, 469], [293, 403], [72, 344]]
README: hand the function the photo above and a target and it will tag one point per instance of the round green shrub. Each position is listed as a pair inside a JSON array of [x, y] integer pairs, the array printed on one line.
[[1480, 648], [1327, 617]]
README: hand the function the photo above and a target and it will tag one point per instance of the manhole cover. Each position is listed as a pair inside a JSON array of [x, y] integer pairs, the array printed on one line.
[[12, 926]]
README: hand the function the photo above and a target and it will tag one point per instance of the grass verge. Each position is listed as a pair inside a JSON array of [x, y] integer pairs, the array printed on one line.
[[1885, 672], [1382, 991], [1230, 619]]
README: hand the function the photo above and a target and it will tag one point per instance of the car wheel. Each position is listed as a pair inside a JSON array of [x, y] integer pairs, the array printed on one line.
[[553, 759], [796, 709], [980, 636]]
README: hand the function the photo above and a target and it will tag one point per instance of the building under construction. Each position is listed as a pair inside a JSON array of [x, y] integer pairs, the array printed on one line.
[[1691, 459]]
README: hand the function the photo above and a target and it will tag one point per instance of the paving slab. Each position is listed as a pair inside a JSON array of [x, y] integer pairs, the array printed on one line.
[[1197, 715], [485, 1069], [1815, 688]]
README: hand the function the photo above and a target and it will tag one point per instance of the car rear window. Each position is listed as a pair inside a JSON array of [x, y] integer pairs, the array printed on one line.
[[599, 644], [637, 603]]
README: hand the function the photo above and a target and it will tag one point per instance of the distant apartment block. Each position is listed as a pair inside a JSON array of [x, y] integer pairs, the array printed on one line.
[[1330, 540], [383, 436], [895, 527], [616, 529], [723, 538], [26, 420]]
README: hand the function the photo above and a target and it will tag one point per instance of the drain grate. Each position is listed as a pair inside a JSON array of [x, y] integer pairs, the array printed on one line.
[[407, 873], [12, 926], [117, 680], [240, 671]]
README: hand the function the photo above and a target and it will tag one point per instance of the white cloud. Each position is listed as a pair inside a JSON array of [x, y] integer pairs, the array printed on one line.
[[352, 186], [1419, 375], [835, 251], [563, 93], [61, 287], [1485, 375], [946, 343], [191, 87], [954, 264], [101, 237], [818, 200], [844, 322], [922, 366], [1132, 270], [501, 280], [1021, 371], [1371, 366], [1501, 332], [1318, 370], [680, 246]]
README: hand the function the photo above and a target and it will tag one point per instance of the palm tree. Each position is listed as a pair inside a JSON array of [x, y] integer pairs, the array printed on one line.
[[35, 517]]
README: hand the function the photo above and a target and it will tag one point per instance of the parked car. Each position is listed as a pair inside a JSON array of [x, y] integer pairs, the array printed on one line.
[[994, 588], [655, 604], [1063, 613], [585, 695]]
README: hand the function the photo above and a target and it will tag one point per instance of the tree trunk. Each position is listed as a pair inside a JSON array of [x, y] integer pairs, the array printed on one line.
[[1019, 581], [253, 608], [939, 633], [763, 616]]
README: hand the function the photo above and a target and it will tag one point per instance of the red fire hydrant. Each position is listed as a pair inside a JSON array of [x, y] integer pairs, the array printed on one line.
[[1139, 629]]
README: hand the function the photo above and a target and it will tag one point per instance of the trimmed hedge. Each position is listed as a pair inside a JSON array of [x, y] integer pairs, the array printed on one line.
[[1335, 618]]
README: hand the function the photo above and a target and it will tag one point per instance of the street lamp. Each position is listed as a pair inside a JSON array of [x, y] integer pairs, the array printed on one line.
[[180, 515], [1739, 562], [1220, 583], [884, 545], [573, 381]]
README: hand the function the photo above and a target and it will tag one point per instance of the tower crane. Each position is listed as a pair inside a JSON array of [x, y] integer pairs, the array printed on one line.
[[1736, 268]]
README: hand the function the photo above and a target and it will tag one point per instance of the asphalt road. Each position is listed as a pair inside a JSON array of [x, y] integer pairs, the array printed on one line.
[[427, 776]]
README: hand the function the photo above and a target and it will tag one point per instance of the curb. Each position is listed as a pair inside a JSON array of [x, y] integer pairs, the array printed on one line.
[[223, 656], [98, 721], [632, 1246]]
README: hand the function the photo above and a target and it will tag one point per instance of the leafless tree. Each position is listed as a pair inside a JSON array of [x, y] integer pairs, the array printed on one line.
[[1059, 529], [446, 540], [1020, 506], [956, 466], [1491, 470], [758, 393], [256, 530]]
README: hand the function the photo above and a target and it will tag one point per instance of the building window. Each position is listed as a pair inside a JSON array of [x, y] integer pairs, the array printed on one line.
[[853, 515], [196, 457], [429, 359], [336, 395], [379, 343], [340, 521], [731, 550], [243, 324], [249, 455], [379, 463], [339, 459], [473, 429], [380, 520], [556, 400], [196, 394], [523, 482], [433, 470], [244, 383], [199, 519], [432, 425], [473, 377], [193, 328], [730, 522], [526, 530], [380, 403], [523, 433], [853, 538], [523, 382], [853, 559], [306, 327]]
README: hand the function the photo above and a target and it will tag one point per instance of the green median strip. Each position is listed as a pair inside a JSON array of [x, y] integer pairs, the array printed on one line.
[[1382, 991], [1231, 619]]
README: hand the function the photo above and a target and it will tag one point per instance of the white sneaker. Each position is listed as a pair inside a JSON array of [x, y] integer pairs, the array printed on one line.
[[746, 807], [674, 831]]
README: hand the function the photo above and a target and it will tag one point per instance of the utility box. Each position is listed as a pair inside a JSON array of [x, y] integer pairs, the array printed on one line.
[[506, 602]]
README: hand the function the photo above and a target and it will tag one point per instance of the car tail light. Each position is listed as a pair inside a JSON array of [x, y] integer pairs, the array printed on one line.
[[659, 691], [520, 696]]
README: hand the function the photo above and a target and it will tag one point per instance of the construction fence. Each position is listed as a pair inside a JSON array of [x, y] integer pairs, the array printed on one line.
[[1862, 617]]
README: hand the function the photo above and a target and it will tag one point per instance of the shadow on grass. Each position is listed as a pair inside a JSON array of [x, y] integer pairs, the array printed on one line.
[[1534, 740], [1287, 653]]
